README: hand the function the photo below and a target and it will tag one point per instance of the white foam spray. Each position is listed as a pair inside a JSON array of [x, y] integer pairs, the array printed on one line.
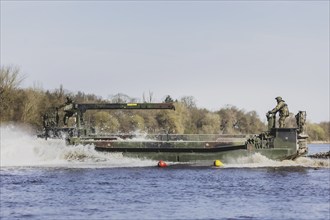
[[18, 147], [257, 160]]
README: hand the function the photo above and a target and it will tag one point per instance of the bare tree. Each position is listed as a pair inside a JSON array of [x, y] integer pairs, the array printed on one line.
[[144, 97], [151, 94], [122, 98], [9, 78], [150, 97], [189, 101]]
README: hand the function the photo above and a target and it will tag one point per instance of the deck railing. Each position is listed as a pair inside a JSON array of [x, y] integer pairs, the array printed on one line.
[[177, 137]]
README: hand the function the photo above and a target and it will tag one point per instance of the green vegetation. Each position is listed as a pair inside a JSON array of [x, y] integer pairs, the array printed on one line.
[[28, 105]]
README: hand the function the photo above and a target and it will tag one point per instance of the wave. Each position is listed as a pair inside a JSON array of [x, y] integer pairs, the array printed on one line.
[[21, 148], [257, 160]]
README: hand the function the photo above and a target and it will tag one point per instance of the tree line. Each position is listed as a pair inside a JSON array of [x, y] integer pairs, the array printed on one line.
[[30, 104]]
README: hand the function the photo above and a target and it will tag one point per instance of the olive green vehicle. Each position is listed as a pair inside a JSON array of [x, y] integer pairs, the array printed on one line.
[[276, 143]]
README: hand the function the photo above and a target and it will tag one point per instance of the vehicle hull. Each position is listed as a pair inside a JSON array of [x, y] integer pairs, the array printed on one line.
[[179, 148]]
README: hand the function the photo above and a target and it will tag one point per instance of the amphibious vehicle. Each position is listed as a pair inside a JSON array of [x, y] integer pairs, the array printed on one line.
[[275, 143]]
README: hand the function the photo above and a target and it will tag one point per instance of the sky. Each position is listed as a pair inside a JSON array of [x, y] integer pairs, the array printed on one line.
[[240, 53]]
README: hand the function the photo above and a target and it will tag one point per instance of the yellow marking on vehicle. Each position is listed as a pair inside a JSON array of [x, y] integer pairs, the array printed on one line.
[[131, 104]]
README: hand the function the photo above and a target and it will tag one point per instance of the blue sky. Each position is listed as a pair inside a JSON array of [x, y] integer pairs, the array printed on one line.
[[242, 53]]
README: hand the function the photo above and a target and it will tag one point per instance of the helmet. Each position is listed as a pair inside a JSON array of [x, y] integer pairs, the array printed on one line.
[[278, 98]]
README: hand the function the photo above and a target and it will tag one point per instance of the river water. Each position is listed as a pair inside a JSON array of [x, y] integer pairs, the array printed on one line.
[[48, 180]]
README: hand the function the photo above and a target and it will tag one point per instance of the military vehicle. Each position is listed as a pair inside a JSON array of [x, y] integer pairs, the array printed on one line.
[[275, 143]]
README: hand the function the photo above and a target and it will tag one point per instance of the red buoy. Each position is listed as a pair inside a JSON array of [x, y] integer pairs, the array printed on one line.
[[162, 164]]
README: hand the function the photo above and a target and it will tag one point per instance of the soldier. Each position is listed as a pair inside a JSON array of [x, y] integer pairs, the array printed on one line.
[[68, 109], [57, 116], [45, 121], [281, 107]]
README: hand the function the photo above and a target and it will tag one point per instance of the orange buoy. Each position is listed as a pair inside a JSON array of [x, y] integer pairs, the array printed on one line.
[[162, 164]]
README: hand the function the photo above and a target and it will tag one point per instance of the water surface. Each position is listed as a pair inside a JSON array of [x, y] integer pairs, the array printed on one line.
[[47, 180]]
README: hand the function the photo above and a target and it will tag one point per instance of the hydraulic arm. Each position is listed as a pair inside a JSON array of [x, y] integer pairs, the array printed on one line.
[[129, 106]]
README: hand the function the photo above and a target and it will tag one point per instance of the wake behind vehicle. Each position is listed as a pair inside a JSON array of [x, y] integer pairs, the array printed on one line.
[[276, 143]]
